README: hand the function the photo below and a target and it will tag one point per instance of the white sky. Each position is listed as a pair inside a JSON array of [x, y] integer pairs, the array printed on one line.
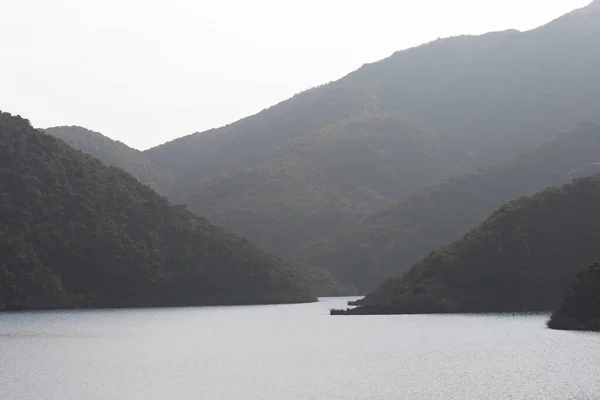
[[144, 71]]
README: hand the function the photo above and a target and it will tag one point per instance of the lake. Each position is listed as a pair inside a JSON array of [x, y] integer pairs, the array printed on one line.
[[286, 352]]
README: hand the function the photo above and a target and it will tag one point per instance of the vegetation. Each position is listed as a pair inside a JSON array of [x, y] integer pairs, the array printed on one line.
[[390, 242], [323, 180], [580, 309], [277, 178], [115, 153], [520, 259], [76, 233]]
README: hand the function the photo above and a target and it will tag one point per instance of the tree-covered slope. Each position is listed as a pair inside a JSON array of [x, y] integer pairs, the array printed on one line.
[[390, 242], [115, 153], [487, 98], [522, 258], [492, 94], [76, 233], [496, 93], [323, 180], [580, 310]]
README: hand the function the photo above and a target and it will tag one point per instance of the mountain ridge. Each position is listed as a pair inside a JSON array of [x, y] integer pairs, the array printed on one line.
[[77, 233]]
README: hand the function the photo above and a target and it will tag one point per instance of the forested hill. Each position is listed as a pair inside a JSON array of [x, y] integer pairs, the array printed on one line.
[[479, 100], [495, 93], [580, 309], [76, 233], [112, 152], [323, 180], [522, 258], [390, 242]]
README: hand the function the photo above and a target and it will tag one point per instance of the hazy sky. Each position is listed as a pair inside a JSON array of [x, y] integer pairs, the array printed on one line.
[[145, 72]]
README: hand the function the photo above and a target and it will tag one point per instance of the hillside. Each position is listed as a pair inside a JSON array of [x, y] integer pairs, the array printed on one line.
[[76, 233], [493, 93], [390, 242], [580, 309], [112, 152], [485, 98], [497, 93], [522, 258], [323, 180]]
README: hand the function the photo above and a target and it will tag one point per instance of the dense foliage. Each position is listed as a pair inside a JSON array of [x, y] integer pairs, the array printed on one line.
[[482, 100], [115, 153], [522, 258], [580, 309], [76, 233], [323, 180], [390, 242]]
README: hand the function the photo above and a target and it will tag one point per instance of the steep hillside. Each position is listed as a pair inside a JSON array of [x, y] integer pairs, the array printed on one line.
[[75, 233], [497, 93], [487, 98], [251, 138], [580, 309], [323, 180], [493, 93], [112, 152], [522, 258], [391, 241]]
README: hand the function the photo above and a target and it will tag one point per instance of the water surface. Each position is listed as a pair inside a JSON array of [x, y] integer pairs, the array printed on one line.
[[290, 352]]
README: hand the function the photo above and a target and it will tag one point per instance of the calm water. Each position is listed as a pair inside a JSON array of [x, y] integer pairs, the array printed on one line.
[[290, 352]]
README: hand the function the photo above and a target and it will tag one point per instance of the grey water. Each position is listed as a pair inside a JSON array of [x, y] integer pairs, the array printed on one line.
[[290, 352]]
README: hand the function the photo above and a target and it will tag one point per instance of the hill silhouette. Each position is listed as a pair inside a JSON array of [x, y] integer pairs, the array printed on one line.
[[522, 258], [391, 241], [76, 233]]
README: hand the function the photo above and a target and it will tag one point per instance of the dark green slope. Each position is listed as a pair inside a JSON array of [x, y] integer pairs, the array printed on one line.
[[115, 153], [522, 258], [75, 233], [580, 309], [323, 180], [390, 242]]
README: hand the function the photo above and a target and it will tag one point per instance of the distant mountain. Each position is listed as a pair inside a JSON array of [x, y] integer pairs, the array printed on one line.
[[522, 258], [390, 242], [497, 93], [580, 309], [323, 180], [76, 233], [112, 152], [483, 100]]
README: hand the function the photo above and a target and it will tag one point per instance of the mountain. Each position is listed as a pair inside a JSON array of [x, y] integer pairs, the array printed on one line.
[[496, 93], [580, 309], [483, 100], [76, 233], [118, 154], [522, 258], [323, 180], [114, 153], [390, 242]]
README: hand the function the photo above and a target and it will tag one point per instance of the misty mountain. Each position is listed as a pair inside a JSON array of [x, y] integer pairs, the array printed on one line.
[[118, 154], [522, 258], [323, 180], [485, 98], [390, 242]]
